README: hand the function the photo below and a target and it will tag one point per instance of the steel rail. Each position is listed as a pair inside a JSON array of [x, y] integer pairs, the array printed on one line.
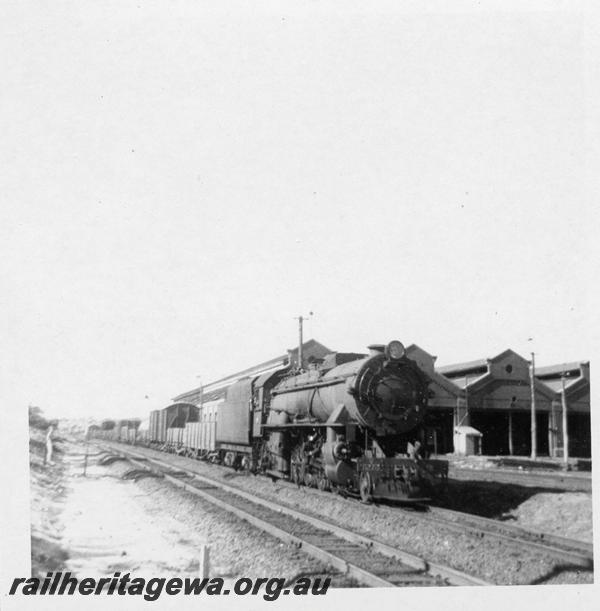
[[451, 576], [560, 481]]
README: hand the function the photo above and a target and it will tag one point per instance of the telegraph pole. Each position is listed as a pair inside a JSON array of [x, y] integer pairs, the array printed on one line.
[[300, 359], [564, 421], [533, 417], [300, 320]]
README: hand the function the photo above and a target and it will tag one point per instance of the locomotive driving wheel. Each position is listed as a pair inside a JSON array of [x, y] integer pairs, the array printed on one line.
[[296, 474], [298, 467], [323, 482], [365, 487], [309, 479]]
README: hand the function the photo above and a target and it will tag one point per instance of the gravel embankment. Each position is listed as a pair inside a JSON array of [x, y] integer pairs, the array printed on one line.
[[567, 514]]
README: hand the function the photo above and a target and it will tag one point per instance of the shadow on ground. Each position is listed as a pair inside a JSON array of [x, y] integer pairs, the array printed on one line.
[[488, 499]]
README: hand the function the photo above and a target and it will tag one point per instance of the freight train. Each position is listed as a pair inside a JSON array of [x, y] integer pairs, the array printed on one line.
[[342, 424]]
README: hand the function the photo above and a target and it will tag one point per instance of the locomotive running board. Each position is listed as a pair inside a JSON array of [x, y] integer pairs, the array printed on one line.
[[301, 425]]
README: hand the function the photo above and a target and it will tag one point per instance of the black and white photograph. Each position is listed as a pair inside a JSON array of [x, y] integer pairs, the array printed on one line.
[[297, 304]]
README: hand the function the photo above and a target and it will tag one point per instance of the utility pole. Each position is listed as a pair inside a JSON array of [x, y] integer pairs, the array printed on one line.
[[300, 359], [533, 416], [466, 414], [300, 320], [564, 421]]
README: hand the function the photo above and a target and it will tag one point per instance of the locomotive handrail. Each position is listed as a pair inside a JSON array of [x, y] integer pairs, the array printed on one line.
[[309, 385]]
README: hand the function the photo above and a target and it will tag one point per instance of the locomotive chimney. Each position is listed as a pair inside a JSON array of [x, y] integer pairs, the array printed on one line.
[[375, 349]]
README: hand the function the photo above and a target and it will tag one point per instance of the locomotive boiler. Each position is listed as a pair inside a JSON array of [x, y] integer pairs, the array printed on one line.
[[345, 424]]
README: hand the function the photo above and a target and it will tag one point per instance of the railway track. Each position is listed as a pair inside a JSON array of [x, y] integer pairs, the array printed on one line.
[[365, 560], [576, 552]]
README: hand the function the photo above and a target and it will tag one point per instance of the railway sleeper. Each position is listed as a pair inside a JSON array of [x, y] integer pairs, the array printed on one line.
[[110, 459], [137, 474]]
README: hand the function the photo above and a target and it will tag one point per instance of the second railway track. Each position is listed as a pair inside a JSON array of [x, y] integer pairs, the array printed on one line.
[[575, 551], [578, 552], [363, 559], [551, 481]]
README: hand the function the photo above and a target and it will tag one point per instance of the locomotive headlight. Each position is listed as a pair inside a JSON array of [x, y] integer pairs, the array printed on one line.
[[394, 350]]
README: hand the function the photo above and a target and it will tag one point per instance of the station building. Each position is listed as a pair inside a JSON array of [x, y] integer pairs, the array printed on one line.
[[488, 398]]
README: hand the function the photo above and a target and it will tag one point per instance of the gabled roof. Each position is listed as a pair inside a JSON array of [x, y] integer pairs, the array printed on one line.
[[476, 385], [435, 376], [474, 376], [556, 385], [477, 366], [458, 368], [468, 380], [558, 370]]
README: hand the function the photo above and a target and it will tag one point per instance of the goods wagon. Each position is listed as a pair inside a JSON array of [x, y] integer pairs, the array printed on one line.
[[174, 416], [175, 437]]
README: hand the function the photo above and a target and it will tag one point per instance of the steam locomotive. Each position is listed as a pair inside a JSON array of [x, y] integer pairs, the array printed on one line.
[[342, 424], [345, 422]]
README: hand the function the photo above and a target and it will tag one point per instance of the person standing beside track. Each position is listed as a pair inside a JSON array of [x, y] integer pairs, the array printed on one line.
[[49, 447]]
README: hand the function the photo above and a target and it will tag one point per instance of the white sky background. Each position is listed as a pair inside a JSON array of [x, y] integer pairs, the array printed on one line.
[[183, 179]]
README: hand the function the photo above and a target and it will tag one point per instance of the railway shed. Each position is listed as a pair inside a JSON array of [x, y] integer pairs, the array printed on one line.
[[496, 400]]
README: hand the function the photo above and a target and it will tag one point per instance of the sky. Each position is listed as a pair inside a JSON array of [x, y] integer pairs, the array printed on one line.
[[180, 183]]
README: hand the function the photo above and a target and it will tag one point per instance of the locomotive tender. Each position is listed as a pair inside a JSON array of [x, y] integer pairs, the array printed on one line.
[[341, 424]]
